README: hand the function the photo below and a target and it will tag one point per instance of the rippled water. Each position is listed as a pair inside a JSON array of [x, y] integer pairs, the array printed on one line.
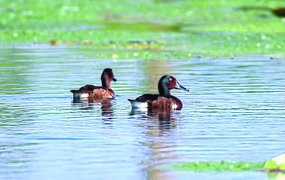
[[234, 112]]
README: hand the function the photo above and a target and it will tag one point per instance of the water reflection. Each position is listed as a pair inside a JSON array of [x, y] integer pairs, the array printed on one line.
[[106, 108], [165, 119], [103, 104], [232, 103], [155, 68], [165, 122]]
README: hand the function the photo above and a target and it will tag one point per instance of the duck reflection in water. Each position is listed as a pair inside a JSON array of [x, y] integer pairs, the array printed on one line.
[[160, 150], [164, 118], [105, 104]]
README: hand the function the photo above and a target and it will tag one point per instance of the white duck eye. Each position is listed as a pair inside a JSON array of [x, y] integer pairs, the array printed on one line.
[[170, 79]]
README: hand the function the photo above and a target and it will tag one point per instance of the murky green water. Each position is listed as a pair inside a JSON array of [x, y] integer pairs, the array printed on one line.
[[234, 112]]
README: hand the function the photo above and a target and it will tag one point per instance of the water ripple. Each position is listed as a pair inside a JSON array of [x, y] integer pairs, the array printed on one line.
[[234, 112]]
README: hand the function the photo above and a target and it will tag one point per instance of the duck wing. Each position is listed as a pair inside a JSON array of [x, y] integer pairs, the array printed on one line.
[[147, 98], [86, 88]]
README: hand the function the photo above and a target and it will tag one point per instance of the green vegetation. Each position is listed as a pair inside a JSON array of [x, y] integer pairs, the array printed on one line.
[[219, 166], [272, 169], [269, 165], [203, 27]]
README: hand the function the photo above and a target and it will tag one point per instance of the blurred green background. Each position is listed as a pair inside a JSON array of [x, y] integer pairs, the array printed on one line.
[[193, 27]]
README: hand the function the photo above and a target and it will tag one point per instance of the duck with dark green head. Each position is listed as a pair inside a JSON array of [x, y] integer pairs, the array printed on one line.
[[162, 101]]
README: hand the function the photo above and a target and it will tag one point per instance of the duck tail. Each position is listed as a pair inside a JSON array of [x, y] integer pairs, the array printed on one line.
[[74, 91], [137, 104]]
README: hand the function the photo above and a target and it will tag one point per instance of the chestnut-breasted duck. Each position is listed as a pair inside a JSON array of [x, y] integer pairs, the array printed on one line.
[[162, 101], [91, 92]]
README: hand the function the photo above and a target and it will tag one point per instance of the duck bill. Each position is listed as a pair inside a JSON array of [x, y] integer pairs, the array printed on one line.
[[179, 86], [114, 79]]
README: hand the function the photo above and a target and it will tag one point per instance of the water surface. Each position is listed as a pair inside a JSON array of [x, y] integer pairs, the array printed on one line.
[[233, 112]]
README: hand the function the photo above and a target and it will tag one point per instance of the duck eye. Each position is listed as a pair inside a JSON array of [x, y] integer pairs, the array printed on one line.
[[170, 79]]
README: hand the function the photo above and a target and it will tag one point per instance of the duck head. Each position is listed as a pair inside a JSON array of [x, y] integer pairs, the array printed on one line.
[[106, 78], [166, 83]]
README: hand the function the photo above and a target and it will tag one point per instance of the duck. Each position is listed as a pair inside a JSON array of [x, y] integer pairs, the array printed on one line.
[[91, 92], [162, 101]]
